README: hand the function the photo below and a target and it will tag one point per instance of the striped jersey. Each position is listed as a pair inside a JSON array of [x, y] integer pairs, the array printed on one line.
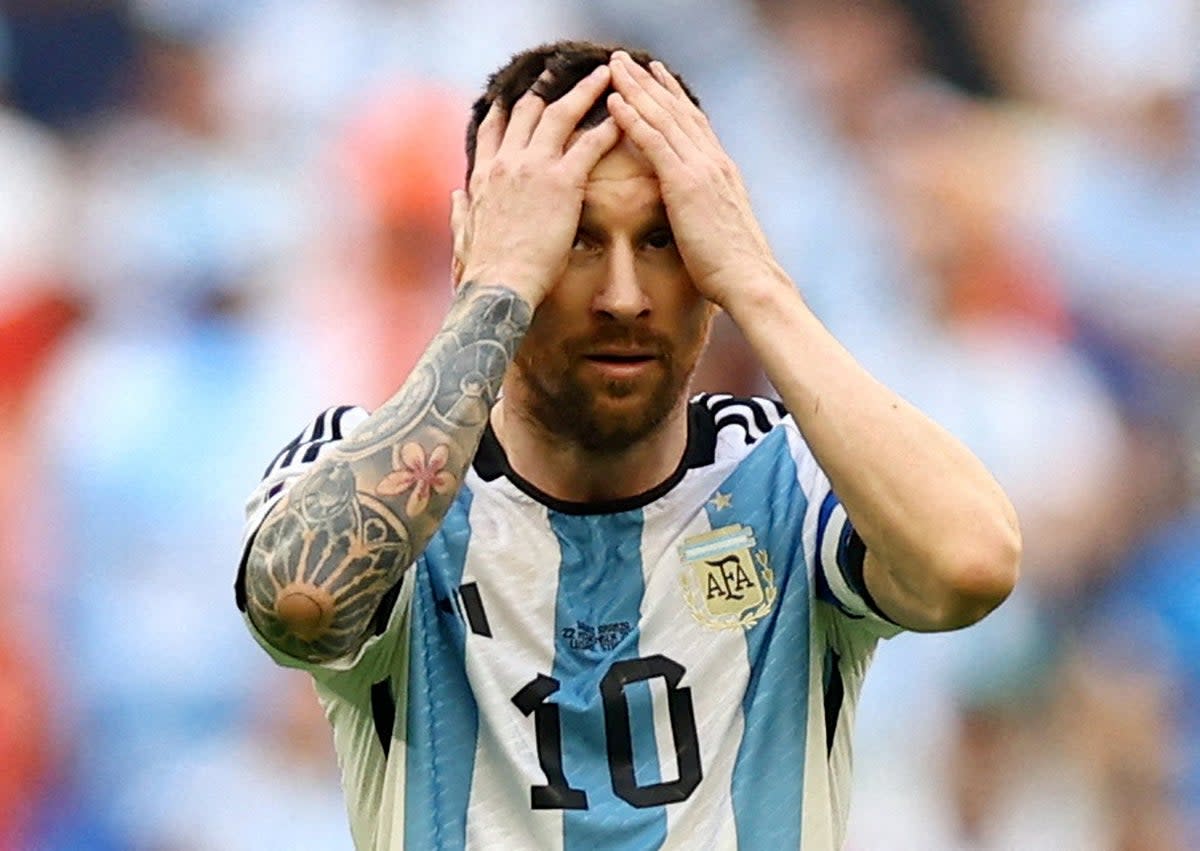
[[674, 670]]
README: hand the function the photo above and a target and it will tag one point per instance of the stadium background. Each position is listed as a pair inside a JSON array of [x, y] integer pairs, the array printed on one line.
[[218, 216]]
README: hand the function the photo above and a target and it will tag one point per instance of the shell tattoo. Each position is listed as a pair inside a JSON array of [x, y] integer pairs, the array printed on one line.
[[335, 547]]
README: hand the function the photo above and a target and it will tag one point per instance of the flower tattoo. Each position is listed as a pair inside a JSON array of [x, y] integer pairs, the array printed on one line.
[[425, 476]]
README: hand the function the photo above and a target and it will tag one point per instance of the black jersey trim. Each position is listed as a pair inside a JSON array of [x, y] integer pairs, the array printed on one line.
[[707, 415], [491, 462], [754, 417]]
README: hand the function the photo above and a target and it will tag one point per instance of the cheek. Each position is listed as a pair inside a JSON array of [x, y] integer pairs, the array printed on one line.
[[695, 312], [666, 278], [543, 345], [564, 305]]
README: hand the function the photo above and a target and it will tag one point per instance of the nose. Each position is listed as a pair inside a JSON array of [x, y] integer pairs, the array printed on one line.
[[621, 294]]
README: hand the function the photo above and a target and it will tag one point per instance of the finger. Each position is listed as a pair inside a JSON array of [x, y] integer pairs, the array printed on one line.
[[662, 155], [643, 78], [489, 134], [639, 97], [591, 145], [667, 91], [525, 115], [668, 81], [563, 116], [685, 104]]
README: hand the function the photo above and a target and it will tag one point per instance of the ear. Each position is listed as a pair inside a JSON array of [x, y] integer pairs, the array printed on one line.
[[459, 207]]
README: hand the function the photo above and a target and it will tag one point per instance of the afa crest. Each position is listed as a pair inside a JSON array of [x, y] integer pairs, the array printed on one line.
[[727, 583]]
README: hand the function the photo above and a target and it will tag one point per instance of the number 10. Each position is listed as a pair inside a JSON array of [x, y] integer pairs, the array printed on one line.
[[558, 794]]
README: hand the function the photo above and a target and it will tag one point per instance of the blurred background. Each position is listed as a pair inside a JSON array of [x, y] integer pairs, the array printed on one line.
[[219, 216]]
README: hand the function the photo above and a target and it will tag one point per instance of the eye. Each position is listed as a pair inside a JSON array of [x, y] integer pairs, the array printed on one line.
[[582, 242], [660, 239]]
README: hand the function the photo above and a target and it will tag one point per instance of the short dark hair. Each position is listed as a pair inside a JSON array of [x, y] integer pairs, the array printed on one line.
[[568, 62]]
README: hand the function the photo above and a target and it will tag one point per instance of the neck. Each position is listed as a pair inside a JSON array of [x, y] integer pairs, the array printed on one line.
[[564, 470]]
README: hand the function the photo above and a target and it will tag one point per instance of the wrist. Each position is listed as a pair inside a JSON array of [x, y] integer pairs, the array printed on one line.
[[527, 284], [736, 292]]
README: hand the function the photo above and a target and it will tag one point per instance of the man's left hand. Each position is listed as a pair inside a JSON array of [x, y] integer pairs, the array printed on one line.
[[717, 233]]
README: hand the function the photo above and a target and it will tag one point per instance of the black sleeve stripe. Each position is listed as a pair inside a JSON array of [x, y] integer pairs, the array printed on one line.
[[852, 559], [333, 418], [824, 592], [735, 420], [761, 418], [325, 429], [318, 427], [771, 409], [741, 413], [766, 412], [753, 416], [289, 457], [286, 451], [335, 431], [314, 441]]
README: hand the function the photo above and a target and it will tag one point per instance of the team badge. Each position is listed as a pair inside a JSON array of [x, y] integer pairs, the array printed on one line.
[[727, 583]]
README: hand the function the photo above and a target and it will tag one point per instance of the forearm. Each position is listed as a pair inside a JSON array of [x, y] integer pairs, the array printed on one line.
[[941, 535], [345, 534]]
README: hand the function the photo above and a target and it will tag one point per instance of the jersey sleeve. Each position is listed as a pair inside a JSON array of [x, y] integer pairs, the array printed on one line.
[[837, 552], [288, 467]]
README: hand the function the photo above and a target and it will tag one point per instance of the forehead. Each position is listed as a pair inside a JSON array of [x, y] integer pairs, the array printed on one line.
[[622, 181], [625, 160]]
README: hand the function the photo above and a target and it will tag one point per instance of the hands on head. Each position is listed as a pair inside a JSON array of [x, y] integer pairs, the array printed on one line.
[[518, 221], [526, 189]]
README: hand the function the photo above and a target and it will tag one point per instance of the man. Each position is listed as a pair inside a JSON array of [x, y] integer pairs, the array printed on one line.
[[633, 620]]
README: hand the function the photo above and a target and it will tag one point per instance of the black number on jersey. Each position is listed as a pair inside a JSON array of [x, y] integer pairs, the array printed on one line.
[[558, 793]]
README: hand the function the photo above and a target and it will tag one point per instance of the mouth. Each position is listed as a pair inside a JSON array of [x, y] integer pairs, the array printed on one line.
[[620, 358], [621, 365]]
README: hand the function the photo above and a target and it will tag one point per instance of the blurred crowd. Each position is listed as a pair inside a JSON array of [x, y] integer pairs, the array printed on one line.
[[219, 216]]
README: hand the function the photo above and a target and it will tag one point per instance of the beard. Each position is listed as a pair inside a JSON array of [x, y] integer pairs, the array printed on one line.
[[603, 416]]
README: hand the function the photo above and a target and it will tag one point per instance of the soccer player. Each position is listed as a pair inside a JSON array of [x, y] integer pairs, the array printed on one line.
[[550, 602]]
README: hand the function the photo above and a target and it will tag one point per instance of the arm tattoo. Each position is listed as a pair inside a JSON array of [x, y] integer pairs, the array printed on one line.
[[345, 534]]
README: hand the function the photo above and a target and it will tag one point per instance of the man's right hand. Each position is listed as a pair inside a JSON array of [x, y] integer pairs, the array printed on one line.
[[516, 224]]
